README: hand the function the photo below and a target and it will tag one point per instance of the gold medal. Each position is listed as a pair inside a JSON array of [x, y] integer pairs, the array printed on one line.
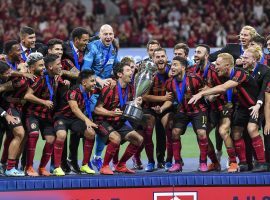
[[229, 105]]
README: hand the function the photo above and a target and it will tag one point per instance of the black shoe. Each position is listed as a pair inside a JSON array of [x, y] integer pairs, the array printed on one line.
[[65, 167], [260, 167], [161, 165], [243, 167], [73, 164], [182, 162]]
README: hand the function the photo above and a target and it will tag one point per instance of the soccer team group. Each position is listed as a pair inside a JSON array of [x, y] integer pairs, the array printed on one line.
[[79, 87]]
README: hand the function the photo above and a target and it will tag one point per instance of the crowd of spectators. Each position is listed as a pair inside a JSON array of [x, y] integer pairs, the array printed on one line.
[[136, 21]]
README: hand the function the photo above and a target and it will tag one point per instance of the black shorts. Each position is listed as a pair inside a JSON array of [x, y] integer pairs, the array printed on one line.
[[74, 124], [14, 112], [36, 124], [105, 128], [215, 116], [198, 120], [150, 111], [241, 117]]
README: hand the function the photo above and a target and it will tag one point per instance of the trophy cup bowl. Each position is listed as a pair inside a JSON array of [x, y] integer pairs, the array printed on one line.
[[142, 84]]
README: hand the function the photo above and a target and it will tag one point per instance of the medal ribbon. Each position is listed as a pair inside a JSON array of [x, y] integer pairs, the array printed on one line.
[[86, 102], [180, 94], [75, 56], [230, 91], [50, 88]]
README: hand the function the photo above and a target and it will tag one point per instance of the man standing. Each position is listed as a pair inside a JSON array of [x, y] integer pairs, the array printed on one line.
[[101, 58], [247, 92]]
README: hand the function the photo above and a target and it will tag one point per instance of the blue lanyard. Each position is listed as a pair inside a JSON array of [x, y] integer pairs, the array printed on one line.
[[13, 66], [180, 94], [121, 99], [161, 77], [48, 80], [262, 59], [86, 102], [75, 56], [255, 71], [23, 53], [230, 91], [206, 70], [241, 50]]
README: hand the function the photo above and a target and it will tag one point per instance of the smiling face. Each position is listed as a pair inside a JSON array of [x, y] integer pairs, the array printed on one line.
[[29, 41], [177, 69], [201, 55], [151, 49], [89, 84], [56, 67], [180, 52], [57, 49], [222, 67], [80, 43], [15, 53], [106, 35], [248, 60], [126, 75], [37, 68], [160, 59]]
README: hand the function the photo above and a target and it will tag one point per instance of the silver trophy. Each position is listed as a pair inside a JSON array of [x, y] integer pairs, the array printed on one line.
[[142, 83]]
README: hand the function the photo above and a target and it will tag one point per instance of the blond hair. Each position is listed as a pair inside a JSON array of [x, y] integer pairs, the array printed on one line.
[[256, 52], [226, 57], [252, 31]]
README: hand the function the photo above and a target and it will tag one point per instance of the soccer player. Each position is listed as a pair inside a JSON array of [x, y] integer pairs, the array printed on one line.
[[182, 50], [41, 101], [259, 42], [183, 85], [20, 86], [71, 116], [247, 92], [101, 58], [236, 50], [112, 128], [153, 99]]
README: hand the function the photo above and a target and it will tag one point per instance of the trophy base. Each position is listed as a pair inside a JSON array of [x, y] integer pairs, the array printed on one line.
[[133, 113]]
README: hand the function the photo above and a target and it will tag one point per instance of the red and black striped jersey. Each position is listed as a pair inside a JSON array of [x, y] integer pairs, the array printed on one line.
[[247, 91], [20, 86], [41, 91], [109, 97], [73, 94], [193, 85], [158, 88]]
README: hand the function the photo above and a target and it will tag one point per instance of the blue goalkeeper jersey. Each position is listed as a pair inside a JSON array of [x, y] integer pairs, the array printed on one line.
[[100, 58]]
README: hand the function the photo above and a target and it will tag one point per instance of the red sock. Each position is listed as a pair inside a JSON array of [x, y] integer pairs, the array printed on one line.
[[112, 148], [137, 155], [87, 150], [57, 152], [11, 163], [169, 145], [31, 147], [116, 157], [149, 145], [203, 145], [176, 146], [257, 144], [232, 155], [240, 149], [130, 151], [46, 155]]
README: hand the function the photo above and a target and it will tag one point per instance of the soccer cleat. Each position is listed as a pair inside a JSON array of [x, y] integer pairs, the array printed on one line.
[[214, 167], [86, 169], [65, 167], [106, 170], [203, 167], [30, 171], [168, 165], [43, 172], [58, 172], [137, 163], [2, 168], [233, 167], [243, 167], [73, 164], [175, 168], [97, 162], [219, 155], [160, 165], [122, 168], [14, 172], [150, 167], [260, 167]]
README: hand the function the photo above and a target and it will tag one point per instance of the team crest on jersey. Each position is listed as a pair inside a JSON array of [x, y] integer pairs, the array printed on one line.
[[72, 95], [33, 125]]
